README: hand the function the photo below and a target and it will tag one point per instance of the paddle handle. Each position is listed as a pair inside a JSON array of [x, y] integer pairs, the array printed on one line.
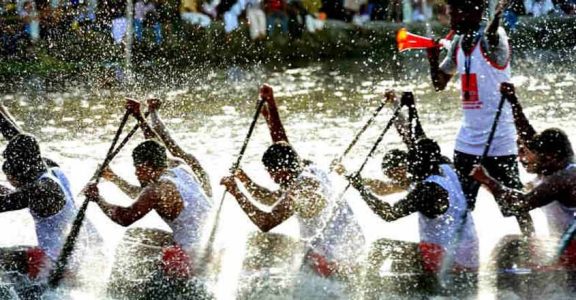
[[58, 272], [493, 130], [380, 138], [211, 238], [362, 130], [100, 170]]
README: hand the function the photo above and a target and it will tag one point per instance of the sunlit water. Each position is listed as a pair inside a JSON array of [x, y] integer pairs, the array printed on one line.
[[322, 105]]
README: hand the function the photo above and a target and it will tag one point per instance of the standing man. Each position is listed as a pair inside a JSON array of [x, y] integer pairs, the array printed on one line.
[[176, 194], [481, 57], [335, 241]]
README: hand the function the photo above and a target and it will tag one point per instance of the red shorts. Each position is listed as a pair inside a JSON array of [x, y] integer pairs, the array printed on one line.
[[320, 264], [176, 263], [568, 258], [432, 256], [36, 261]]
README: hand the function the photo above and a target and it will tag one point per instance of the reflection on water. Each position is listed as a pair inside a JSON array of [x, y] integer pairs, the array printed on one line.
[[322, 106]]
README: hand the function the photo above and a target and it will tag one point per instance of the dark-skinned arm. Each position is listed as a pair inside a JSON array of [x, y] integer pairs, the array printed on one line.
[[525, 131], [44, 197], [258, 192], [439, 78], [265, 221], [270, 113], [382, 188], [129, 189], [177, 151], [8, 126], [514, 202], [126, 216], [416, 131], [428, 198]]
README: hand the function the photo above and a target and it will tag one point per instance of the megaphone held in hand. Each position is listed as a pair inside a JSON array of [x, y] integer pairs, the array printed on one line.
[[407, 41]]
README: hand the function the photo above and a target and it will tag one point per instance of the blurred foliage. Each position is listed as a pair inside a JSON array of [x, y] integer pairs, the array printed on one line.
[[74, 52]]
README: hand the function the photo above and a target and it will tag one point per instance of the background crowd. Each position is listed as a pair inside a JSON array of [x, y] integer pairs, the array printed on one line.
[[27, 21]]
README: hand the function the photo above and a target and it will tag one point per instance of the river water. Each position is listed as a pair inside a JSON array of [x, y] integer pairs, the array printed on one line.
[[322, 105]]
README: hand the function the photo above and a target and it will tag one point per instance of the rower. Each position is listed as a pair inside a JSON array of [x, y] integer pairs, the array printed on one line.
[[447, 229], [334, 241], [175, 193], [481, 55], [41, 186], [554, 164], [557, 215]]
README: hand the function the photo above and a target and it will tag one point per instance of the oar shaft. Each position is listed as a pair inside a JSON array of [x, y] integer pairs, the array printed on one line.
[[376, 144], [493, 130], [68, 246], [362, 130], [210, 243], [110, 156]]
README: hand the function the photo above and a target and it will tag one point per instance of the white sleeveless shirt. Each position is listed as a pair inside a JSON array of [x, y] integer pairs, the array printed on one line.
[[480, 108], [558, 215], [443, 230], [51, 231], [188, 226], [341, 239]]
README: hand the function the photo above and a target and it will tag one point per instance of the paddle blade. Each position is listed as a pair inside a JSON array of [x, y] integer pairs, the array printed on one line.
[[407, 41]]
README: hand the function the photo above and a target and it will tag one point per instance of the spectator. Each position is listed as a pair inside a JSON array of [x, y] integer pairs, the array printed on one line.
[[256, 19], [189, 12], [231, 16], [314, 19], [30, 18], [276, 10], [141, 9], [538, 8], [422, 10], [362, 16], [296, 16], [378, 9]]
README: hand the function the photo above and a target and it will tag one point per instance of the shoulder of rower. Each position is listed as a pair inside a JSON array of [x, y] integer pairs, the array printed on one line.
[[45, 196], [433, 200], [159, 192], [307, 198]]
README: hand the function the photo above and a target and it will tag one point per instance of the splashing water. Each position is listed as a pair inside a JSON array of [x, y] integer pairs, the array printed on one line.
[[322, 106]]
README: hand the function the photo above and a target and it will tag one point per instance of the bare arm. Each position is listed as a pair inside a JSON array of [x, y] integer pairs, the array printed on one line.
[[8, 126], [177, 151], [382, 188], [270, 112], [260, 193], [525, 131], [129, 189], [439, 78], [125, 216], [428, 198], [265, 221]]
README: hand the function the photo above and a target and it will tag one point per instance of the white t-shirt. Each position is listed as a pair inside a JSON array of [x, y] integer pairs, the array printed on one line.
[[480, 96]]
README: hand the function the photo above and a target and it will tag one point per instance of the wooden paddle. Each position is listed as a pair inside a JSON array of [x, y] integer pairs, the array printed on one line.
[[210, 243], [362, 130], [58, 271]]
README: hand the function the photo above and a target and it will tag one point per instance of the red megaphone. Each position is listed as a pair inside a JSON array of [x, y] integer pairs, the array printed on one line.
[[407, 41]]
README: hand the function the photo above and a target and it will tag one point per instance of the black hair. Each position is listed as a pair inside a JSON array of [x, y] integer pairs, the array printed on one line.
[[394, 158], [150, 152], [552, 141], [281, 155], [23, 158], [424, 158]]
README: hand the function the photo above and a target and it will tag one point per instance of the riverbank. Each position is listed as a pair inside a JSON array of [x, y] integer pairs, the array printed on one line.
[[83, 57]]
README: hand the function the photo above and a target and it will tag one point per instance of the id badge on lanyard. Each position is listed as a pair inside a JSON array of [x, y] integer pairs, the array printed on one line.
[[469, 80]]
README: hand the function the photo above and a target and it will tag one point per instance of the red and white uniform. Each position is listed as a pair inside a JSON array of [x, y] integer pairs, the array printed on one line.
[[481, 85]]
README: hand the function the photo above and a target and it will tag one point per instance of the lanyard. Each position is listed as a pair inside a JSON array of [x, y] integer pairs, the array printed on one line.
[[468, 62]]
